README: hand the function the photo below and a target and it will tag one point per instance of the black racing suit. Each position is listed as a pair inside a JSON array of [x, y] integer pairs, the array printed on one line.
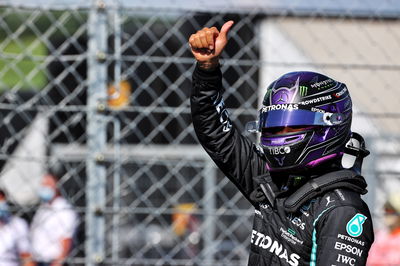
[[334, 228]]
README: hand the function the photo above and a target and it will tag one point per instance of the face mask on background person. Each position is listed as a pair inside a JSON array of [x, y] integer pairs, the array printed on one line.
[[46, 194], [4, 211]]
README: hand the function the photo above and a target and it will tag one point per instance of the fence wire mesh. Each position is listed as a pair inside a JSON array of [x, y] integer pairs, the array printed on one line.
[[98, 95]]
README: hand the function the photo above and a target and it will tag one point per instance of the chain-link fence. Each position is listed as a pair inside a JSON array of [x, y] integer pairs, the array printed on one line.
[[97, 93]]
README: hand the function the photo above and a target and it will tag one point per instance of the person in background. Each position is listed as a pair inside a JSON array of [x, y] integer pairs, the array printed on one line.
[[53, 225], [386, 249], [15, 247]]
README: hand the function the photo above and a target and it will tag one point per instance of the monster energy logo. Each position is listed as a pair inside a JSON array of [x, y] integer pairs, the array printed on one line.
[[303, 90]]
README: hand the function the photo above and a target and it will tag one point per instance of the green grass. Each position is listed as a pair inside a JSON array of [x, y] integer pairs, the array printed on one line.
[[20, 71]]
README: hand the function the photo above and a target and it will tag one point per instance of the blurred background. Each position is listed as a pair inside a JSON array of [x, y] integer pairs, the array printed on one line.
[[97, 93]]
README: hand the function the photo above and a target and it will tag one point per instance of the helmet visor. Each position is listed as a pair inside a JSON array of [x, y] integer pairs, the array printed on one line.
[[298, 117]]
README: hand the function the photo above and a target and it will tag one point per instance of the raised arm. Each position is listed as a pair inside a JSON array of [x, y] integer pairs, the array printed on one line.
[[234, 154]]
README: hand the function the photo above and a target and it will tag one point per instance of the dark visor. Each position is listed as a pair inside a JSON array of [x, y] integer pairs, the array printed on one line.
[[298, 117]]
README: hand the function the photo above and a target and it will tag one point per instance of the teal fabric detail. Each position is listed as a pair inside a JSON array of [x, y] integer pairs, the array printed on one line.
[[313, 255]]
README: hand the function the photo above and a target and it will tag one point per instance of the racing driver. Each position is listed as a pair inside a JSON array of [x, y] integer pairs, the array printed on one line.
[[308, 209]]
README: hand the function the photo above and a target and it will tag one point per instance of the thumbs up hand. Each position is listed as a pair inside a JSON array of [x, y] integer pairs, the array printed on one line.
[[207, 44]]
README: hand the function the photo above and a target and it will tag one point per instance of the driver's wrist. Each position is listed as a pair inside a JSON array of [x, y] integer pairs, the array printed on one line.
[[209, 65]]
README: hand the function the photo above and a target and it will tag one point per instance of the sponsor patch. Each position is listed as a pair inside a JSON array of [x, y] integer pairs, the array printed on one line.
[[348, 249], [329, 200], [257, 212], [263, 206], [290, 237], [350, 239], [283, 106], [346, 260], [340, 194], [223, 114], [340, 93], [354, 227], [316, 100], [322, 84], [279, 150], [297, 222], [267, 243], [303, 90]]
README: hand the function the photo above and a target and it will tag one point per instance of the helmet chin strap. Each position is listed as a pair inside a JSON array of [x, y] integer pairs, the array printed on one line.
[[359, 151], [288, 181]]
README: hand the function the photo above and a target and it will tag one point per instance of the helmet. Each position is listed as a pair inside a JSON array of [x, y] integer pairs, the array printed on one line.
[[318, 108]]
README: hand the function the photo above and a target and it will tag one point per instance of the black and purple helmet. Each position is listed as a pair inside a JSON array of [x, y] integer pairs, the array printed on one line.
[[317, 107]]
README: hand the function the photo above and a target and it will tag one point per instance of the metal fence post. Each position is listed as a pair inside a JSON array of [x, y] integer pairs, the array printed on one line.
[[96, 135], [116, 191], [210, 175]]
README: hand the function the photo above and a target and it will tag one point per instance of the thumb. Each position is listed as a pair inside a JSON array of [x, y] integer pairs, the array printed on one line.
[[225, 29]]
